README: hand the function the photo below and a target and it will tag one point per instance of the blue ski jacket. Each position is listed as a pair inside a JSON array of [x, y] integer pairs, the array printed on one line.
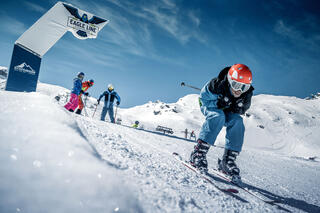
[[109, 97], [77, 86]]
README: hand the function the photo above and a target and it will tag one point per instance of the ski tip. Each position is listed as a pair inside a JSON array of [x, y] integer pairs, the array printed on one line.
[[235, 191]]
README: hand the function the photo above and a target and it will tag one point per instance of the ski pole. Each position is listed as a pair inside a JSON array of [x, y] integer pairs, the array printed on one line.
[[115, 114], [186, 85], [85, 104], [95, 110]]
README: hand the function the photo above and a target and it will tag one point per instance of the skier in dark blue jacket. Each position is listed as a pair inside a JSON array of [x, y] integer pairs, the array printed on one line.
[[222, 101], [109, 95]]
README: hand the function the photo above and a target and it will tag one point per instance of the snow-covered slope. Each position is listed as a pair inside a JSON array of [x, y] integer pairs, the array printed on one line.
[[280, 124], [286, 125], [55, 161]]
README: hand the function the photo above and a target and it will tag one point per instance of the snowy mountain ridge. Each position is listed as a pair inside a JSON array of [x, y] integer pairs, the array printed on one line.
[[314, 96], [3, 72]]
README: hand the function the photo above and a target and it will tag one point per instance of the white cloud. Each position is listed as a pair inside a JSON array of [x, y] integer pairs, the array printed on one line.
[[194, 18], [167, 15], [284, 30], [299, 38], [131, 37], [35, 7], [169, 4], [132, 33], [11, 25]]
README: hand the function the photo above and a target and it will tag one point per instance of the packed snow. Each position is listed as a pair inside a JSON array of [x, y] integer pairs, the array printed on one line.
[[56, 161]]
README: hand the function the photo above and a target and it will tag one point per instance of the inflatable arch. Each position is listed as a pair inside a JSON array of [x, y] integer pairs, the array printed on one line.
[[41, 36]]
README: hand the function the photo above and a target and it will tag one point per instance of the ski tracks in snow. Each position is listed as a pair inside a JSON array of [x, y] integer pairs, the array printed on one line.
[[143, 168], [144, 161]]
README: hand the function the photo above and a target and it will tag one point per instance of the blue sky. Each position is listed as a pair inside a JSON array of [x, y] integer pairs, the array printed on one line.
[[150, 47]]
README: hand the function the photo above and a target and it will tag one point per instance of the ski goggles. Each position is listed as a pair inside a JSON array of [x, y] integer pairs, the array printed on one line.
[[239, 86]]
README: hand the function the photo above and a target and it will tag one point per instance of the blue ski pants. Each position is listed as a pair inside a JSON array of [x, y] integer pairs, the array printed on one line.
[[106, 110], [215, 120]]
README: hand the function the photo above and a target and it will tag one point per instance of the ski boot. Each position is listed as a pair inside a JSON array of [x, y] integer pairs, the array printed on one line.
[[198, 156], [228, 166], [78, 111]]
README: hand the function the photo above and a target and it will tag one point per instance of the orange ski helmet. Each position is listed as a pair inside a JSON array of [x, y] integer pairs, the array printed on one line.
[[240, 77]]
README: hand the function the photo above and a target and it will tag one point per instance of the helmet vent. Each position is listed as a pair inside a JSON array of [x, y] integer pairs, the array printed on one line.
[[235, 74]]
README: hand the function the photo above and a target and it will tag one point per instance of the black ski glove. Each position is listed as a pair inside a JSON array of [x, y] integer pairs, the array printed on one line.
[[118, 103], [98, 101], [86, 93], [223, 102]]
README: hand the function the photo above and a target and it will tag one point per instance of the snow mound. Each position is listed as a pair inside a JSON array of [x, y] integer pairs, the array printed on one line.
[[46, 159]]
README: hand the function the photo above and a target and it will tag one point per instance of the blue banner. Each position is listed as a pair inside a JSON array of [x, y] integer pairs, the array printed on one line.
[[24, 70]]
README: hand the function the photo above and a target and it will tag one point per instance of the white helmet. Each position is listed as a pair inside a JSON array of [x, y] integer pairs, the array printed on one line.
[[110, 87]]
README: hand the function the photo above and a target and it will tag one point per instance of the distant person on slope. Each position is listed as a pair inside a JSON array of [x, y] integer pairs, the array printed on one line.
[[85, 86], [73, 102], [109, 96], [222, 100], [136, 124], [192, 135]]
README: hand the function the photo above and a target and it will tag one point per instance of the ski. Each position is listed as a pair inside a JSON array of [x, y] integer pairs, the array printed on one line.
[[204, 176], [208, 177], [228, 179]]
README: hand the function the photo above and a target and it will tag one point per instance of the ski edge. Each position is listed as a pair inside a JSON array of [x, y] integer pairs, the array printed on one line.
[[204, 176], [218, 173]]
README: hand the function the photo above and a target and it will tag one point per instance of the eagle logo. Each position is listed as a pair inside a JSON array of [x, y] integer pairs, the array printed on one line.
[[84, 18]]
